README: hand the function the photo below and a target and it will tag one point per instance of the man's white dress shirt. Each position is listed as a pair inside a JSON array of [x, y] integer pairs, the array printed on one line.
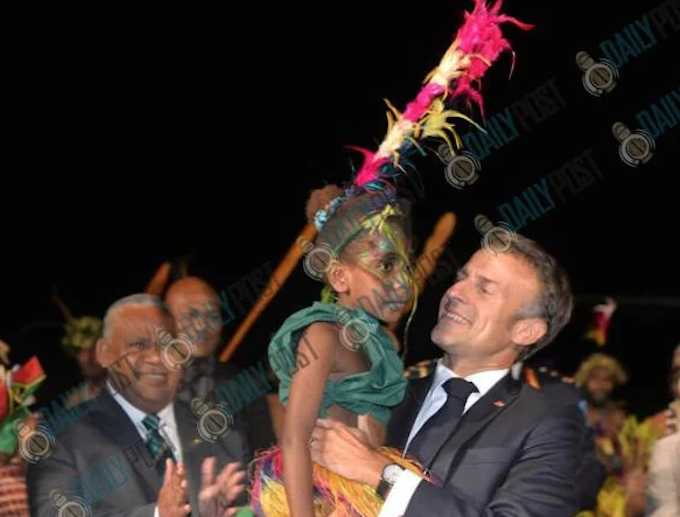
[[167, 426]]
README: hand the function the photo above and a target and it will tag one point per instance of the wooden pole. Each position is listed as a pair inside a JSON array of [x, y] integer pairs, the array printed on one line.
[[278, 278]]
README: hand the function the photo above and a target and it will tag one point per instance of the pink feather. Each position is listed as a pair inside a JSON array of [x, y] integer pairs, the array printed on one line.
[[481, 39]]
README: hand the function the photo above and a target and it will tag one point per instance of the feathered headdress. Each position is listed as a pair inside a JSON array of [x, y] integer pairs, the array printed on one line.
[[80, 332], [602, 317], [475, 48]]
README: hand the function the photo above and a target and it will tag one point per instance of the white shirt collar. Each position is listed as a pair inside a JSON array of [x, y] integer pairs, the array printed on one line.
[[484, 381], [166, 414]]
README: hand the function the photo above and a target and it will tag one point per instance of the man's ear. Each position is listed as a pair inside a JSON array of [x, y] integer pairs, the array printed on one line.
[[337, 276], [103, 352], [529, 331]]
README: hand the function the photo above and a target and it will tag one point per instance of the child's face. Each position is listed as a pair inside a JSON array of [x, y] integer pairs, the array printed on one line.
[[380, 280]]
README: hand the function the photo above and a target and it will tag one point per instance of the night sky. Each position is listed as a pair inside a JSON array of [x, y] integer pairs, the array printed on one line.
[[201, 134]]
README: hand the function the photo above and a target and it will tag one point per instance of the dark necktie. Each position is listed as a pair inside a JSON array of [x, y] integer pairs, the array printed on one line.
[[439, 426], [158, 448]]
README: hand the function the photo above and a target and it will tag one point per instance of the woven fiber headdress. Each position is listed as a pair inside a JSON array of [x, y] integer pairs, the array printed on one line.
[[475, 48], [80, 332]]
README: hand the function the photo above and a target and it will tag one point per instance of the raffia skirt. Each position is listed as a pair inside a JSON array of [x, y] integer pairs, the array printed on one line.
[[331, 492]]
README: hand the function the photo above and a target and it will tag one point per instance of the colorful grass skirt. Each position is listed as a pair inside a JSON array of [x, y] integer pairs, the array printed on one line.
[[331, 492]]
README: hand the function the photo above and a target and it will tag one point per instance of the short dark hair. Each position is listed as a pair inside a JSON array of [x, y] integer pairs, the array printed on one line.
[[555, 304]]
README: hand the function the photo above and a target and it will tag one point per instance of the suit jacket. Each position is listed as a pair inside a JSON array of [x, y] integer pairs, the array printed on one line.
[[102, 459], [514, 453], [663, 489], [591, 473], [204, 375]]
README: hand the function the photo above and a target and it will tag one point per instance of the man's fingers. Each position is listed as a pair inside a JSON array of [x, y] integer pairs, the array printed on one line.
[[209, 493], [169, 470], [318, 433], [234, 492], [208, 472], [230, 469], [329, 424], [185, 510]]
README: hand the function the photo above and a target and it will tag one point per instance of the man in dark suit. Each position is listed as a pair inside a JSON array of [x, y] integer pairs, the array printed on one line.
[[491, 444], [135, 452], [591, 473], [196, 307]]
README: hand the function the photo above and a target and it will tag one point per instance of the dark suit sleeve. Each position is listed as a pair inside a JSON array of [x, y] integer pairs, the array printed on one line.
[[55, 475], [540, 482], [591, 475]]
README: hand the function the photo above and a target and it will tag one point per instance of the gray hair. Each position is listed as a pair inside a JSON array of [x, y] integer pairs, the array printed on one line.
[[143, 299]]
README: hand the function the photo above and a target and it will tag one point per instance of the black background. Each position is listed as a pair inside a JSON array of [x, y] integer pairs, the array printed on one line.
[[140, 137]]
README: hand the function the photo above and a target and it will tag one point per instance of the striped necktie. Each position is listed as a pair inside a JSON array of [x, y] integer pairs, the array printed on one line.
[[158, 448]]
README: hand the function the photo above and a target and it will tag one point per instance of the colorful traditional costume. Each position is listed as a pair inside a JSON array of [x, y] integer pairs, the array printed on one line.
[[17, 386], [364, 207]]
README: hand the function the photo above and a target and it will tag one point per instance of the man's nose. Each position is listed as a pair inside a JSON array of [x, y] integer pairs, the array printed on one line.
[[154, 353], [458, 292]]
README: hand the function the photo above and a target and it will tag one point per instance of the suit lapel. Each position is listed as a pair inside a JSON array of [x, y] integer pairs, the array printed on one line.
[[197, 444], [404, 415], [194, 449], [111, 419], [498, 399]]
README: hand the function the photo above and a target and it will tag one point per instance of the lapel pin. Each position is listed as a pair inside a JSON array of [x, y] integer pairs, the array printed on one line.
[[499, 403], [196, 441]]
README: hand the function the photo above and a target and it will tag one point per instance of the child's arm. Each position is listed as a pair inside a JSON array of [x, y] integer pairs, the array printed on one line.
[[304, 402]]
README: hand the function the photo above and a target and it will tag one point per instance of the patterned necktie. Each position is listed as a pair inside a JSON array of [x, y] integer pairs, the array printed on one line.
[[433, 433], [156, 444]]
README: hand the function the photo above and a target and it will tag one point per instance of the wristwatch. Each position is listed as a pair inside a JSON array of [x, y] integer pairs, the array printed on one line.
[[388, 478]]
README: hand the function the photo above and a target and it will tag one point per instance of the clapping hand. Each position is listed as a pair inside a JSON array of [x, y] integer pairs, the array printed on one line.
[[217, 495], [172, 499]]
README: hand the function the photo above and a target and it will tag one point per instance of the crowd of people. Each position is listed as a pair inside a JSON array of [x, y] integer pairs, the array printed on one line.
[[477, 431], [160, 427]]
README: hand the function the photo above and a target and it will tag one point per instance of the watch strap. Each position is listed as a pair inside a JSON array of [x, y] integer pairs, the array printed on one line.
[[383, 489]]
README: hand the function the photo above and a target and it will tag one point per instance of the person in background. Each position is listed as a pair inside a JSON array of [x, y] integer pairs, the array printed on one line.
[[196, 308], [137, 451], [668, 421], [663, 489], [79, 342]]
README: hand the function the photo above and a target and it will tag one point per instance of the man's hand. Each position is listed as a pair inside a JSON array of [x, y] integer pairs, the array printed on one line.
[[172, 498], [346, 452], [216, 496]]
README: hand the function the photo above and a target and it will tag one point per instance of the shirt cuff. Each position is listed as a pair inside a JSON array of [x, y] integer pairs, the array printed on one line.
[[400, 495], [155, 511]]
